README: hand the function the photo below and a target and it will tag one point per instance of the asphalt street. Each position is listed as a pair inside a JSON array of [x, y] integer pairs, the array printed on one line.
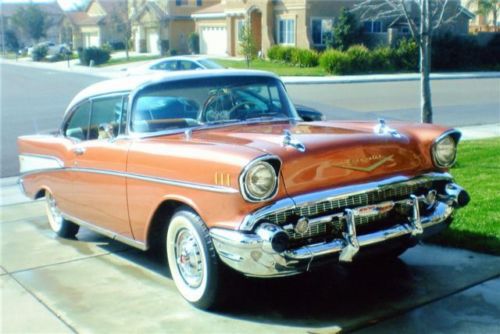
[[33, 101]]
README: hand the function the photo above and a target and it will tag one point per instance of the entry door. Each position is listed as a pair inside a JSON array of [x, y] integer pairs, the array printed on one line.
[[99, 168], [153, 41]]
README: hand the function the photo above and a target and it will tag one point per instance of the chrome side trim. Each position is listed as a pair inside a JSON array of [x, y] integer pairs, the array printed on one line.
[[184, 184], [38, 162], [107, 233], [285, 204]]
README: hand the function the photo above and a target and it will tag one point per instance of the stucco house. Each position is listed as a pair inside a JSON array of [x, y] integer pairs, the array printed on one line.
[[161, 25], [300, 23], [483, 22], [54, 20], [99, 23]]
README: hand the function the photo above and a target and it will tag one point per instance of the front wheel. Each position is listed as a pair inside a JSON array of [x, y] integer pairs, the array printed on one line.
[[193, 261], [62, 227]]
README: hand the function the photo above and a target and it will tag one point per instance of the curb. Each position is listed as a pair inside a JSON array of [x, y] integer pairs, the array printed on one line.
[[289, 80]]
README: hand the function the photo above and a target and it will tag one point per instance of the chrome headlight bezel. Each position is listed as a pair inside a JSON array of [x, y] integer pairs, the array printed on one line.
[[441, 162], [273, 164]]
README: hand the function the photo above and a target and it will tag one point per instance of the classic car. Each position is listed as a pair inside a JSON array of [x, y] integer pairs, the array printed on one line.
[[216, 171]]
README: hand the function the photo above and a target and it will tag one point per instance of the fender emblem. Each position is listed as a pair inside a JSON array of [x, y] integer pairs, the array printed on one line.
[[348, 164]]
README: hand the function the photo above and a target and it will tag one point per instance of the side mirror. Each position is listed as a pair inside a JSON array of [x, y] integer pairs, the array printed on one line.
[[309, 114]]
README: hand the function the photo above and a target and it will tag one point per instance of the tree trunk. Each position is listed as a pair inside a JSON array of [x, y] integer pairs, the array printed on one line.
[[425, 64], [425, 84]]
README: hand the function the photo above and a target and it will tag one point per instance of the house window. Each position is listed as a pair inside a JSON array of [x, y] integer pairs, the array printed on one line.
[[286, 31], [199, 3], [373, 26], [181, 2], [321, 31]]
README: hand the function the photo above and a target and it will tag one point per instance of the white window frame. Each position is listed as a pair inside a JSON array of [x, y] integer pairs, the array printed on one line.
[[318, 18], [372, 26], [293, 30]]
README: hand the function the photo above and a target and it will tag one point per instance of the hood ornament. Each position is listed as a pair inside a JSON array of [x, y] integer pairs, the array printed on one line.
[[289, 140], [383, 129]]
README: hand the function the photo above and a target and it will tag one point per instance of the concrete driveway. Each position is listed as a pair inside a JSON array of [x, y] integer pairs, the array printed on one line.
[[94, 284]]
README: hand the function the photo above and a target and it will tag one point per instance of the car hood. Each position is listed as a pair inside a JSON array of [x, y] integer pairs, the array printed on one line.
[[336, 153]]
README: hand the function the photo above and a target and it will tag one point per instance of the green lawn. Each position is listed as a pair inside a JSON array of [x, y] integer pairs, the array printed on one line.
[[477, 226], [279, 69], [130, 60]]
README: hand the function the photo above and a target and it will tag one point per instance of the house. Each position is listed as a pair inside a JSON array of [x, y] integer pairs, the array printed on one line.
[[102, 21], [161, 25], [300, 23], [483, 22], [54, 18]]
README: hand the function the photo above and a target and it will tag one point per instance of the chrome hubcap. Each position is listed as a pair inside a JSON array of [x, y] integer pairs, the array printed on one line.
[[188, 258], [54, 214]]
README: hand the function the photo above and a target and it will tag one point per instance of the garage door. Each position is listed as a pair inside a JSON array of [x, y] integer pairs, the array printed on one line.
[[152, 40], [213, 41]]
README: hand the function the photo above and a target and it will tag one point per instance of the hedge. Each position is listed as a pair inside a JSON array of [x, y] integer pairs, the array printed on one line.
[[98, 55]]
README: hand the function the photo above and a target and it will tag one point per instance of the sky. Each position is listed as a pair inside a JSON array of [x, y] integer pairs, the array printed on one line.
[[65, 4]]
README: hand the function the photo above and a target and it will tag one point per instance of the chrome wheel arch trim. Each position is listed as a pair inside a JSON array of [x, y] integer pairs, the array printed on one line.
[[298, 201]]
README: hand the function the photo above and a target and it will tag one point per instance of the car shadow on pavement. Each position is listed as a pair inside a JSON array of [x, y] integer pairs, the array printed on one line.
[[349, 295]]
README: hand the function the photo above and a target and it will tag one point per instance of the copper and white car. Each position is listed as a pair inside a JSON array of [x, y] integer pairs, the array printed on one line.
[[219, 172]]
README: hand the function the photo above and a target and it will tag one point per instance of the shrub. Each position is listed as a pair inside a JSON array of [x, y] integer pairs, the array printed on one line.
[[304, 57], [382, 59], [335, 62], [452, 52], [39, 52], [98, 55], [280, 53], [194, 42], [359, 59], [406, 56]]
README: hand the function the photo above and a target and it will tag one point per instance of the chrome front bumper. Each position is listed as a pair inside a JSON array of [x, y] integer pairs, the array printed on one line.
[[253, 254]]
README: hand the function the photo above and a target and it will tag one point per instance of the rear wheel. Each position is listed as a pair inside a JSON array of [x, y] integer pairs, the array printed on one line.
[[62, 227], [193, 261]]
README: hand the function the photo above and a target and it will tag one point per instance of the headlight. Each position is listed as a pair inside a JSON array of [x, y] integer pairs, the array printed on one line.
[[444, 150], [259, 181]]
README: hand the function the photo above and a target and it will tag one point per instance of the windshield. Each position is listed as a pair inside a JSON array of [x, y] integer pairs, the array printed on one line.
[[208, 64], [209, 101]]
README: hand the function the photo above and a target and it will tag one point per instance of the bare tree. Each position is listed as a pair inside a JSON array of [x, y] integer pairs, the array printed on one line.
[[122, 25], [424, 18]]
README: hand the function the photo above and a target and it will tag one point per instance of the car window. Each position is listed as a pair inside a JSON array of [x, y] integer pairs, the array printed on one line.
[[207, 101], [208, 64], [188, 65], [105, 118], [78, 125], [169, 65]]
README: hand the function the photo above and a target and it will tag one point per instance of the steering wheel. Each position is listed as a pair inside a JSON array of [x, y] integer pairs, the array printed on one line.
[[236, 113]]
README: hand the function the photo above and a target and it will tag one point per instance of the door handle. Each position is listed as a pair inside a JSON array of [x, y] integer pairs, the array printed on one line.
[[78, 150]]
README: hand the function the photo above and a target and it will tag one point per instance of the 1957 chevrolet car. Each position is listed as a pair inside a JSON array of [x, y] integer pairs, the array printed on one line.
[[219, 171]]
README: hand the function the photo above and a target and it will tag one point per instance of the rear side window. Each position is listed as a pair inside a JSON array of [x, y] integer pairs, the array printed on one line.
[[78, 125]]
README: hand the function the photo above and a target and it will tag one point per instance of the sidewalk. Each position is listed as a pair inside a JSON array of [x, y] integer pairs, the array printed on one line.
[[116, 71]]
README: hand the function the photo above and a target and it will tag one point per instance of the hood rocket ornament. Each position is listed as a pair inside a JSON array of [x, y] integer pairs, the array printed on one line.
[[383, 129], [289, 140]]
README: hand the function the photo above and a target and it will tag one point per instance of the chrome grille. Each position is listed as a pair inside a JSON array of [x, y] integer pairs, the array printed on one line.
[[393, 192], [313, 231]]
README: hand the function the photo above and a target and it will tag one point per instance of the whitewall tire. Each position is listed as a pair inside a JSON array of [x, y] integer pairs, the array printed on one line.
[[62, 227]]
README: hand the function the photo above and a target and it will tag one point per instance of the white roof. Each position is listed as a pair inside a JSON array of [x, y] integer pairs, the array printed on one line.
[[129, 84]]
